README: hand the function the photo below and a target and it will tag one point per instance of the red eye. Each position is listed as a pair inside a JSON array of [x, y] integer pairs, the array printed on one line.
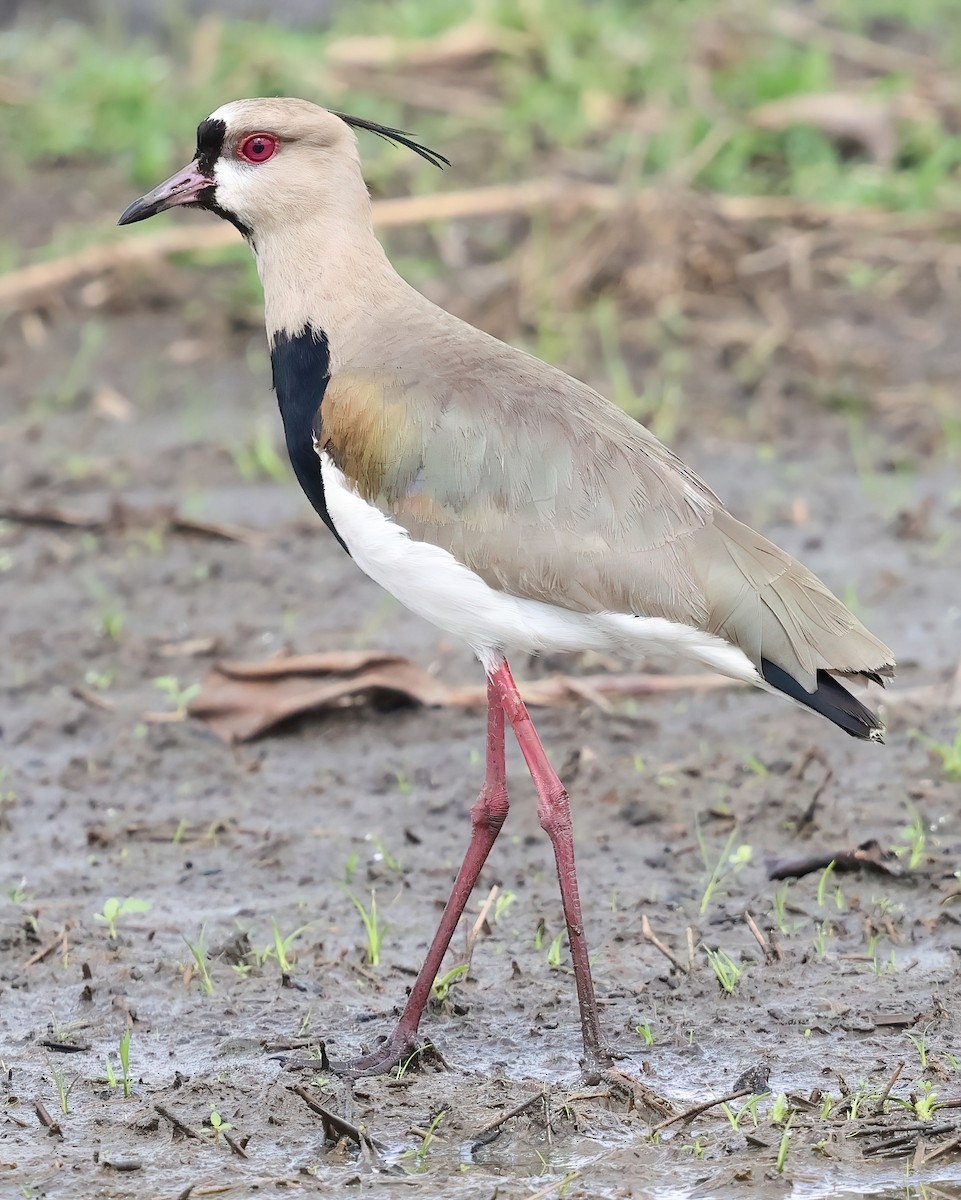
[[258, 147]]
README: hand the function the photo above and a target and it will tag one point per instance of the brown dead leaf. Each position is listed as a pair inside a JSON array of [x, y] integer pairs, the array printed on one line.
[[869, 854], [189, 648], [108, 403], [117, 517], [871, 121], [240, 701], [457, 47]]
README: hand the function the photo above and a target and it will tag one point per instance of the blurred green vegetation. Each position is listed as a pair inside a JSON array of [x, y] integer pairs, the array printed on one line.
[[617, 85], [836, 124]]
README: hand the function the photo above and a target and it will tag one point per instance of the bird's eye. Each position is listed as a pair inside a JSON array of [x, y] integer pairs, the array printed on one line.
[[258, 147]]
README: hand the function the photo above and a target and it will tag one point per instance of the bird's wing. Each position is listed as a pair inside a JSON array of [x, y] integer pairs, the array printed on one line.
[[550, 492]]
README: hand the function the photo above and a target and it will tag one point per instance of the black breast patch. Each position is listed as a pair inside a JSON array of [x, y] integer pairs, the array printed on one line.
[[301, 366]]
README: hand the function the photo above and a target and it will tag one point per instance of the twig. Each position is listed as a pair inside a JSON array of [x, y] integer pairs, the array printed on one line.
[[945, 1148], [45, 1119], [335, 1127], [235, 1146], [92, 699], [487, 1133], [552, 1187], [690, 1113], [23, 287], [45, 951], [179, 1126], [882, 1099], [650, 936], [905, 1128], [479, 924], [770, 953]]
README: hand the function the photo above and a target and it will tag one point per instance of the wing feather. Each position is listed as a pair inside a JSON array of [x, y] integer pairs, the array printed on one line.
[[550, 492]]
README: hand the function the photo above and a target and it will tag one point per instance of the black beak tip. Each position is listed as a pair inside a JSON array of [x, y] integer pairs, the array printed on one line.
[[138, 211]]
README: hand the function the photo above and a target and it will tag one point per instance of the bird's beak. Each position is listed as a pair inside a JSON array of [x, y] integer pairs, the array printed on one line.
[[183, 188]]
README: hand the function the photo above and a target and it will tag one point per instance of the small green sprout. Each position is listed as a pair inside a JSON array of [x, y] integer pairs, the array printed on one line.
[[259, 458], [198, 952], [179, 696], [729, 862], [502, 905], [123, 1049], [217, 1123], [441, 987], [63, 1090], [372, 927], [920, 1044], [282, 945], [926, 1104], [554, 951], [823, 883], [783, 1150], [101, 680], [420, 1153], [391, 863], [948, 752], [115, 908], [726, 970]]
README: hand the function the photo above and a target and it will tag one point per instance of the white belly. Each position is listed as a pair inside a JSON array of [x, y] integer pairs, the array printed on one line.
[[432, 583]]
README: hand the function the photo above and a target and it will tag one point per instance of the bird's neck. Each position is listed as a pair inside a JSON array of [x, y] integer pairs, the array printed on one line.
[[334, 281]]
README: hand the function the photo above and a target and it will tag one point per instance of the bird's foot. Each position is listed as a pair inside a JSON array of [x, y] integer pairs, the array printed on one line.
[[597, 1060], [637, 1092], [401, 1049]]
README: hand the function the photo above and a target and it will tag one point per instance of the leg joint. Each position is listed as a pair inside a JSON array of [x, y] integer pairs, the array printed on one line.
[[491, 809]]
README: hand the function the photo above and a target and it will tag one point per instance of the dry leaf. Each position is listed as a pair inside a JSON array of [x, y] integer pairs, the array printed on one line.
[[239, 701], [869, 854], [107, 402], [867, 120], [456, 47], [119, 517]]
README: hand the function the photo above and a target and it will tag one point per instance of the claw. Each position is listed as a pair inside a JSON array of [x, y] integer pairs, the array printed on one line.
[[392, 1052]]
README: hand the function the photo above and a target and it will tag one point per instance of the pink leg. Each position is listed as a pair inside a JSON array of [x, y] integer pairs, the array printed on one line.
[[554, 811], [487, 818]]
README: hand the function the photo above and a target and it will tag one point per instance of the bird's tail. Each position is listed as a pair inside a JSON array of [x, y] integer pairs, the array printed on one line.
[[830, 699]]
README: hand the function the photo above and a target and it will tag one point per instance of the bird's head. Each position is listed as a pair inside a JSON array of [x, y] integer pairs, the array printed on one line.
[[261, 162]]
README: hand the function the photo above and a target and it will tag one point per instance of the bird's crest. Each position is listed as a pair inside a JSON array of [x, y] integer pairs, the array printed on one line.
[[398, 137]]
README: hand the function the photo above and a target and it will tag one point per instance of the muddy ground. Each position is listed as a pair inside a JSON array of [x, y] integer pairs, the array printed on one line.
[[99, 801]]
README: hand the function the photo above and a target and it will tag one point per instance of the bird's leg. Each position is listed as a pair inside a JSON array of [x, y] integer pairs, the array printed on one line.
[[487, 818], [554, 812]]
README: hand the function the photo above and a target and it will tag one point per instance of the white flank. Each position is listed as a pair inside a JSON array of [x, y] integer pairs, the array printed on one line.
[[432, 583]]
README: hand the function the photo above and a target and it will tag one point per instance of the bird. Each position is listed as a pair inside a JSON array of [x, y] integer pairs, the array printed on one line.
[[492, 494]]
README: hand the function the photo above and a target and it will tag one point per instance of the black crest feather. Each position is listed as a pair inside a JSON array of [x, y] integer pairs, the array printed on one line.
[[398, 137]]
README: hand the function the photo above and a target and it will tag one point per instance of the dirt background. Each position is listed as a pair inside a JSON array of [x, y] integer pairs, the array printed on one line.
[[120, 407]]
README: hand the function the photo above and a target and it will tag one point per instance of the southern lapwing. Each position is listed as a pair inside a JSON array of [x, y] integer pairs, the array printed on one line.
[[492, 494]]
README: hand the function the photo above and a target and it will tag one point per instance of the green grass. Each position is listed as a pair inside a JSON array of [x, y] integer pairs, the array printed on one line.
[[948, 752], [602, 80], [374, 928], [659, 95]]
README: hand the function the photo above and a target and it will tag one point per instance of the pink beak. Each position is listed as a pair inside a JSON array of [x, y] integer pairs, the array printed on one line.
[[186, 187]]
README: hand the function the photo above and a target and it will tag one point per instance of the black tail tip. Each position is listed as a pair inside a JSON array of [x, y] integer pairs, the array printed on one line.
[[831, 699]]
